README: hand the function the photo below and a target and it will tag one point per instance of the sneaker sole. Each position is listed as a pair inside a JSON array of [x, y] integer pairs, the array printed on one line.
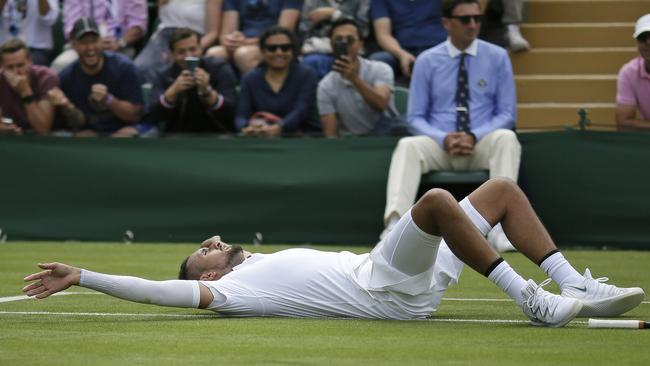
[[613, 306], [575, 310]]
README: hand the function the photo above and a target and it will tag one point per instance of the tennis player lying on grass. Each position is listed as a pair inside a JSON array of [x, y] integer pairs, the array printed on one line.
[[404, 277]]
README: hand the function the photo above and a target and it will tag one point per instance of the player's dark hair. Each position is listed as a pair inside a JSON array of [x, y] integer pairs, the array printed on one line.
[[344, 21], [13, 45], [181, 34], [182, 273], [448, 6], [275, 30]]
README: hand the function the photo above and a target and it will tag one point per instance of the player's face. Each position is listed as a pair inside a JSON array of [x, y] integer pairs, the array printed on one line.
[[17, 62], [219, 256], [278, 51], [188, 47], [89, 49], [462, 32]]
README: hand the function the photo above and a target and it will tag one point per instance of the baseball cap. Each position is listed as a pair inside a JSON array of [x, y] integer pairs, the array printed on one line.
[[642, 25], [83, 26]]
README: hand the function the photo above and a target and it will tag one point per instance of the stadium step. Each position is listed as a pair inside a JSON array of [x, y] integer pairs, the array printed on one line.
[[555, 116], [542, 35], [563, 61], [565, 88], [569, 11]]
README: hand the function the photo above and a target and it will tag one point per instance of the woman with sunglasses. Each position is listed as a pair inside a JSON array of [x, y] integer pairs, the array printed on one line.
[[279, 96]]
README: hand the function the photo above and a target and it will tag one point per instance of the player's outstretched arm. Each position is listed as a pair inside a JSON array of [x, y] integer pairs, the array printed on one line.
[[177, 293]]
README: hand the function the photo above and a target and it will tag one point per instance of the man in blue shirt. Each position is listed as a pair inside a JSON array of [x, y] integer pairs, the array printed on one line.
[[484, 139], [102, 85], [403, 29]]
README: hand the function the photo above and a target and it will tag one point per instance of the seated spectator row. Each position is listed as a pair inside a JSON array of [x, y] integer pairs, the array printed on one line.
[[101, 93]]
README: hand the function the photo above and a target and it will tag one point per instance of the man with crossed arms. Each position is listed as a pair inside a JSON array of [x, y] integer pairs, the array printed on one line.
[[404, 277]]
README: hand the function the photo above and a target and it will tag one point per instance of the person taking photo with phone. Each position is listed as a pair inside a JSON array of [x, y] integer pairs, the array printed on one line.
[[356, 96], [193, 94]]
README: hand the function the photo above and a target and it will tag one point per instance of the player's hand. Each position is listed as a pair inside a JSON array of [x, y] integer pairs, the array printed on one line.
[[406, 60], [56, 277], [99, 93], [202, 79], [18, 83], [213, 241]]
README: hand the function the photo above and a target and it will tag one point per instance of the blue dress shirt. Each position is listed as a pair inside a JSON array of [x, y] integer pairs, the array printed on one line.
[[432, 98]]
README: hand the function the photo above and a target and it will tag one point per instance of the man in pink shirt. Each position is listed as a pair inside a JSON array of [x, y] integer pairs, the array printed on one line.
[[633, 86]]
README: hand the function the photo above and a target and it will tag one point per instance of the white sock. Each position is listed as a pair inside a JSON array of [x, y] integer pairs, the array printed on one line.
[[513, 28], [509, 281], [560, 270]]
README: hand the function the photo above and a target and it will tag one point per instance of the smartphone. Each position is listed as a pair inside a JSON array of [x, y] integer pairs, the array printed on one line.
[[191, 63], [339, 48]]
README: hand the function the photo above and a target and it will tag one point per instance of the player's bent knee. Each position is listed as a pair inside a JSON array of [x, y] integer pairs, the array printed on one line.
[[437, 199]]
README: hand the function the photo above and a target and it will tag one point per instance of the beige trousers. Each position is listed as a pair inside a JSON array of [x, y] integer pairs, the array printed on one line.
[[499, 152]]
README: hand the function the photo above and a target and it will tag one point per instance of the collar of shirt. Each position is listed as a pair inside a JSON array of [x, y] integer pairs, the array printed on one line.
[[453, 51]]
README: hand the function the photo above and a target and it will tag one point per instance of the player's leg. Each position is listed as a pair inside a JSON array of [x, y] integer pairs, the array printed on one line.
[[501, 200], [438, 213]]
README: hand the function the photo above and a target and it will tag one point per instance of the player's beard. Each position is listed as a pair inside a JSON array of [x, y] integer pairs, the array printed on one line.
[[235, 255]]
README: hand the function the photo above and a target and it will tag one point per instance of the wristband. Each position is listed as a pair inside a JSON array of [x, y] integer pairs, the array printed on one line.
[[219, 103], [109, 100], [165, 103]]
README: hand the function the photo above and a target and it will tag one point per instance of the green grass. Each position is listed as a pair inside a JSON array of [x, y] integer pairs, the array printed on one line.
[[148, 340]]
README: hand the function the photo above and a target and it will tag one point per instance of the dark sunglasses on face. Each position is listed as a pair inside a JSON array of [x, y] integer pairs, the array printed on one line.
[[286, 47], [466, 18], [643, 37], [347, 39]]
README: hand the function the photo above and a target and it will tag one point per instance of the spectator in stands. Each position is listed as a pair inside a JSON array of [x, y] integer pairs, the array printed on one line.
[[315, 25], [244, 21], [633, 86], [102, 85], [122, 23], [31, 21], [279, 96], [199, 100], [355, 97], [24, 88], [202, 16], [462, 109], [501, 24], [404, 29]]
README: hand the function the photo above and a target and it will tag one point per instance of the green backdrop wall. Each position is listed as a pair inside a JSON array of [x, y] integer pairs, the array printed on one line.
[[590, 188]]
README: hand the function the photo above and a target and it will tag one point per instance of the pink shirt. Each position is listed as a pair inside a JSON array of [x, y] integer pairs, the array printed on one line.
[[633, 86]]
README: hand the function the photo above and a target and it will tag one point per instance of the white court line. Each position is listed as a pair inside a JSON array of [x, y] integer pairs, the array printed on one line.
[[197, 316], [23, 297]]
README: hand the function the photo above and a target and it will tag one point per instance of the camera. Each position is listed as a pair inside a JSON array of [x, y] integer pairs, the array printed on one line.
[[340, 48]]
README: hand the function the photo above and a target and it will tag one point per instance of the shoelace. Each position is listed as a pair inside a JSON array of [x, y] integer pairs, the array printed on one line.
[[601, 287], [542, 300]]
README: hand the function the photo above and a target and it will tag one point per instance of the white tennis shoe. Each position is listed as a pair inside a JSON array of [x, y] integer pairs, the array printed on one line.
[[547, 309], [601, 299]]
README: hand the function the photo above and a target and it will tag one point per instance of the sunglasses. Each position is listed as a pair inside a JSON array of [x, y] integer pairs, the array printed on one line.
[[643, 37], [274, 47], [466, 18]]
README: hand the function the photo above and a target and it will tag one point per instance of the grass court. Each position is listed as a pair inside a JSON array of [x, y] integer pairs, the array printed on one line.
[[475, 325]]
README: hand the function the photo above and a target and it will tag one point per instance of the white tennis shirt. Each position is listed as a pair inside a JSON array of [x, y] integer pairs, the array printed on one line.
[[311, 283]]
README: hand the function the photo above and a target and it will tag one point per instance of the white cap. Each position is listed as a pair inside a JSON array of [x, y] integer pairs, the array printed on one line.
[[642, 25]]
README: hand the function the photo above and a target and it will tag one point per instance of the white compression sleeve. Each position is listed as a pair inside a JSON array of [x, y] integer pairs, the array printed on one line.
[[176, 293]]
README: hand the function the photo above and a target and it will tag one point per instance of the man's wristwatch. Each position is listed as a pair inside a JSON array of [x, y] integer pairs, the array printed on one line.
[[27, 99], [207, 92]]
